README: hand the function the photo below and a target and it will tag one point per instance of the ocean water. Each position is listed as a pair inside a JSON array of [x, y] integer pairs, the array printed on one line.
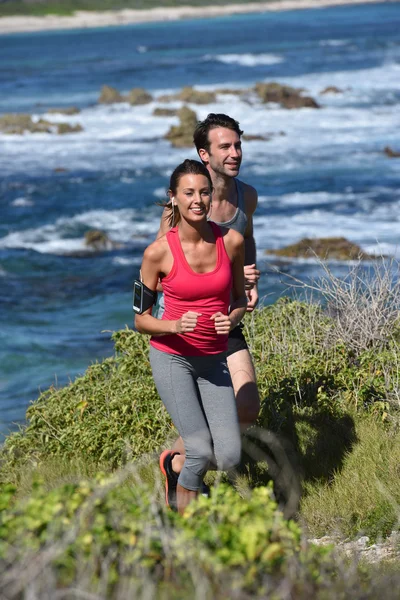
[[322, 173]]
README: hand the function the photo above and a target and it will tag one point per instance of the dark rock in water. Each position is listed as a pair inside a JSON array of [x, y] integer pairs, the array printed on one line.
[[189, 94], [165, 112], [391, 153], [331, 89], [233, 92], [252, 138], [98, 240], [286, 96], [20, 123], [139, 96], [181, 136], [110, 95], [167, 98], [334, 248], [63, 128], [69, 110]]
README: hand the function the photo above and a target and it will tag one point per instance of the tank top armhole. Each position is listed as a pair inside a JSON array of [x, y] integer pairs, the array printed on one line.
[[172, 247], [240, 194], [220, 243]]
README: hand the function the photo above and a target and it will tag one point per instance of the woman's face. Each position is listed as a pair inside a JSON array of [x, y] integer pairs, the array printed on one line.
[[193, 197]]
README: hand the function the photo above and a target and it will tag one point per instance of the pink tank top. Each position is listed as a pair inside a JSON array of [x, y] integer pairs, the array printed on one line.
[[205, 293]]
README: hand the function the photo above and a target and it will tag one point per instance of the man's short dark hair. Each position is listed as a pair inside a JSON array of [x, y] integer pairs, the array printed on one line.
[[213, 120]]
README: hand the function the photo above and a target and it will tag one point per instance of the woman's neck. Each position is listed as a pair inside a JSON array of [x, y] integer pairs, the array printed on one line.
[[194, 232]]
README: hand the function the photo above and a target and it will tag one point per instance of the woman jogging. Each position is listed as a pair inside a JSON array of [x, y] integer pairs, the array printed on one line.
[[200, 266]]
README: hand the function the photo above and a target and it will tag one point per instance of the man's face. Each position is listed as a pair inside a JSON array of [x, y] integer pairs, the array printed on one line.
[[225, 154]]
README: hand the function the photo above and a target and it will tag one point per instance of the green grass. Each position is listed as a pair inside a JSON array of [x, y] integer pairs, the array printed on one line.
[[363, 497], [68, 7]]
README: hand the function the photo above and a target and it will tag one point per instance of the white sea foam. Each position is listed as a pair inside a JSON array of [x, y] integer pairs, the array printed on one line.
[[127, 260], [247, 60], [125, 226], [334, 42], [22, 202], [160, 193], [121, 136], [370, 230]]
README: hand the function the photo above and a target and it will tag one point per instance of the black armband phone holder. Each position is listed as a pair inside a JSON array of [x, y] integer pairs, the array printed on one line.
[[143, 297]]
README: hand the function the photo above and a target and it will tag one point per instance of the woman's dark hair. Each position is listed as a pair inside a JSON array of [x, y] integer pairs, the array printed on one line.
[[213, 120], [188, 167]]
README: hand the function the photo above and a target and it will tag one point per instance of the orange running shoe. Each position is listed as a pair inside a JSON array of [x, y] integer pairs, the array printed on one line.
[[171, 478]]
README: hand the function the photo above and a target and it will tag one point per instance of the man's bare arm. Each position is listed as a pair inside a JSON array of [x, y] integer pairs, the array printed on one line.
[[251, 273], [251, 200]]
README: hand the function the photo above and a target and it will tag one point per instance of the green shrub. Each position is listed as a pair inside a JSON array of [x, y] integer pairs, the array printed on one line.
[[315, 393], [109, 414], [78, 529]]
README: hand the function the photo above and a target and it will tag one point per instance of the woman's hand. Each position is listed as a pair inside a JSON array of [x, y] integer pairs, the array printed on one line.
[[222, 323], [187, 322]]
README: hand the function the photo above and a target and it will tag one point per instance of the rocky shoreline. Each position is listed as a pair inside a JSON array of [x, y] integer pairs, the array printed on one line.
[[86, 19]]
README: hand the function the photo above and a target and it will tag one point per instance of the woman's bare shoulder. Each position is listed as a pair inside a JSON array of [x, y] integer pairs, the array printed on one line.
[[234, 237], [157, 250], [233, 240]]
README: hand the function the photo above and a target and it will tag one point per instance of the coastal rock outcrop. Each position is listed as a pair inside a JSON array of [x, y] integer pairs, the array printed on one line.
[[98, 240], [189, 94], [334, 248], [63, 128], [138, 96], [248, 137], [391, 153], [110, 95], [18, 124], [286, 96], [67, 110], [135, 97], [233, 92], [181, 136], [331, 89], [165, 112]]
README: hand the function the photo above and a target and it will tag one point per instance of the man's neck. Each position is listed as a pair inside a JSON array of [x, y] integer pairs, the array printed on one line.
[[224, 188]]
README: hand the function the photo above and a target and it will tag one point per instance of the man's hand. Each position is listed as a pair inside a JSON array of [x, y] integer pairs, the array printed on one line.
[[252, 298], [251, 276], [222, 323], [187, 322]]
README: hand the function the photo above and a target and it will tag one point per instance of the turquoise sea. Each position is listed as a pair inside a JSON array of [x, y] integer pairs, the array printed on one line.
[[322, 173]]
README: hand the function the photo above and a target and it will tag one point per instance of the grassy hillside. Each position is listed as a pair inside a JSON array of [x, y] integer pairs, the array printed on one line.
[[81, 499]]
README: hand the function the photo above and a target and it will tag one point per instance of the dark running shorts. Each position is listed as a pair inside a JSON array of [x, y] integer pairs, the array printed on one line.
[[236, 340]]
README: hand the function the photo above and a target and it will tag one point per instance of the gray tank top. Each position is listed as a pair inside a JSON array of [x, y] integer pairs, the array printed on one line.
[[239, 219]]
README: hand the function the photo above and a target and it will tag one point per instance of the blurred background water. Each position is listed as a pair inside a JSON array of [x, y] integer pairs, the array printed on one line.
[[323, 172]]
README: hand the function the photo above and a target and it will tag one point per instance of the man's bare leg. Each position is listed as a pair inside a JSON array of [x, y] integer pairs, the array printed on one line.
[[243, 376], [244, 384]]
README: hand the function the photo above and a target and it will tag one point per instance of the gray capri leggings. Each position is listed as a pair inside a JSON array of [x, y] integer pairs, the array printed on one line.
[[198, 394]]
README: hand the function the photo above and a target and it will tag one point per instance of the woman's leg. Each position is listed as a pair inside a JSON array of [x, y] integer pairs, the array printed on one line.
[[219, 405], [174, 377]]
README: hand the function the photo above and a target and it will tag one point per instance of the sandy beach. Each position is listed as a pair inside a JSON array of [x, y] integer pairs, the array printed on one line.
[[86, 19]]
